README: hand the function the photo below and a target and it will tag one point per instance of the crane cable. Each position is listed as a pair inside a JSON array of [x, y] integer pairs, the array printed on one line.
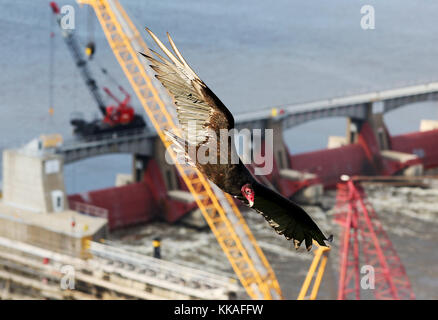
[[91, 46], [51, 66], [110, 77]]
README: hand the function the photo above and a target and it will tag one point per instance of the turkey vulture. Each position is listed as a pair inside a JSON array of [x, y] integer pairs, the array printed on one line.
[[198, 107]]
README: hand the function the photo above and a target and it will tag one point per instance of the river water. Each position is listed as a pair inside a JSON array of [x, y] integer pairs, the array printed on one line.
[[252, 54]]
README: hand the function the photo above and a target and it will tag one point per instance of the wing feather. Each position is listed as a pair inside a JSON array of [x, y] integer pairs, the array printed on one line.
[[287, 218], [196, 105], [169, 54], [177, 51]]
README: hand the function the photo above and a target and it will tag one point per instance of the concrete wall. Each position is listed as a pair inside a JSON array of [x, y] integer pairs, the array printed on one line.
[[122, 179], [427, 125], [336, 142], [32, 181], [37, 236], [45, 238]]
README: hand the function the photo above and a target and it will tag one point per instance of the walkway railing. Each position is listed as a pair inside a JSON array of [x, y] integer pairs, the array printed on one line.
[[89, 209]]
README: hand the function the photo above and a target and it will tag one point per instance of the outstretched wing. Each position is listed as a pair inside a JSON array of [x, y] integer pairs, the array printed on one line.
[[287, 218], [200, 113]]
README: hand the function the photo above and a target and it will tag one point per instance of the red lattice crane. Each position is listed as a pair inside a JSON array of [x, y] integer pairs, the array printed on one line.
[[363, 237]]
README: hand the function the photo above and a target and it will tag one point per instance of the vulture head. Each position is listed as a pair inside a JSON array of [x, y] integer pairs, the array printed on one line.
[[248, 193]]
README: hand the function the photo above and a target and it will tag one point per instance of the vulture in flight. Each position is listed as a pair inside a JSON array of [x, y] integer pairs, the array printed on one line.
[[202, 116]]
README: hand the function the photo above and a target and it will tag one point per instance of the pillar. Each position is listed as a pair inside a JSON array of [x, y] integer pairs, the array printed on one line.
[[281, 154], [139, 164], [168, 171]]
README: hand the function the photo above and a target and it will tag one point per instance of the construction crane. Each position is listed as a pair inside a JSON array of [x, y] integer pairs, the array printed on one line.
[[219, 209], [115, 118]]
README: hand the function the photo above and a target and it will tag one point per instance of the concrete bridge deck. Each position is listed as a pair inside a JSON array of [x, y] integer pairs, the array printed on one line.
[[139, 142], [355, 106]]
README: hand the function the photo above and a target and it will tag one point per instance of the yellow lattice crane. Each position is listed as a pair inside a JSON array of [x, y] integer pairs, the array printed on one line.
[[218, 208], [320, 258]]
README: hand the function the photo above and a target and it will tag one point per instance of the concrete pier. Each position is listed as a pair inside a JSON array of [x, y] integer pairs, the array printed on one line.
[[34, 209]]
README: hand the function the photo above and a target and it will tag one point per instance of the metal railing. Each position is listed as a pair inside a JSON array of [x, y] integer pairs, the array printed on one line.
[[89, 209]]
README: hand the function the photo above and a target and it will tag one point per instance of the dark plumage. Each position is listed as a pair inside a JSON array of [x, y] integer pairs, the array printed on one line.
[[202, 116]]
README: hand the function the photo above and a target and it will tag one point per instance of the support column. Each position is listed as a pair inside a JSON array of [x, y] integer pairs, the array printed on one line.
[[302, 186], [281, 154], [139, 164], [168, 171], [380, 131], [385, 160], [353, 129]]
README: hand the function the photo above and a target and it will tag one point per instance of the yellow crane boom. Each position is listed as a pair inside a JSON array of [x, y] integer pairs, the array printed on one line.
[[219, 209], [320, 258]]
